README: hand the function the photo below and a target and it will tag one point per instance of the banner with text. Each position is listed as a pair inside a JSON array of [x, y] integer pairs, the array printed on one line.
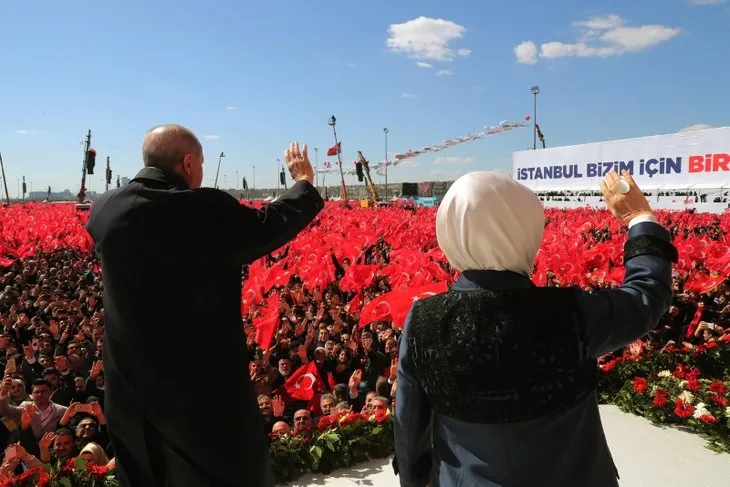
[[679, 161]]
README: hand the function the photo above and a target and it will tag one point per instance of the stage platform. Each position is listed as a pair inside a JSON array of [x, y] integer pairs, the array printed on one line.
[[646, 456]]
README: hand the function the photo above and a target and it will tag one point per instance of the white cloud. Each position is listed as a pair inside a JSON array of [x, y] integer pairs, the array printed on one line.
[[409, 163], [30, 132], [351, 65], [697, 126], [453, 161], [426, 38], [408, 95], [231, 108], [599, 37], [707, 2], [211, 137], [444, 72], [421, 64], [526, 52]]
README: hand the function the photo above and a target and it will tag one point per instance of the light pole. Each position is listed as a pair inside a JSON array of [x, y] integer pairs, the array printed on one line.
[[218, 170], [332, 123], [316, 167], [237, 180], [535, 90], [385, 131], [278, 176], [254, 178]]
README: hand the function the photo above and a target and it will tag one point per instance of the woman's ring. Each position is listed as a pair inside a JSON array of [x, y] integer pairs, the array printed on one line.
[[622, 186]]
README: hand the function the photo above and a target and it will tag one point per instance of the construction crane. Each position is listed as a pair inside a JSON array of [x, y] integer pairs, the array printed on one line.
[[362, 168]]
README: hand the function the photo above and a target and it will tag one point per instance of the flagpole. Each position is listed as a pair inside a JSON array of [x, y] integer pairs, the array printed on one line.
[[333, 122], [5, 181], [535, 90]]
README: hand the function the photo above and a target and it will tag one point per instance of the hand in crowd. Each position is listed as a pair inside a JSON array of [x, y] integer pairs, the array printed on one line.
[[26, 417], [278, 406]]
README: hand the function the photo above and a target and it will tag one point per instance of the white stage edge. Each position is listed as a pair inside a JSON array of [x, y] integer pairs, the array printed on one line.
[[646, 456]]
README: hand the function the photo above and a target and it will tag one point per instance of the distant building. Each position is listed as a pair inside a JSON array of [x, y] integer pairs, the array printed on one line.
[[65, 195], [125, 181]]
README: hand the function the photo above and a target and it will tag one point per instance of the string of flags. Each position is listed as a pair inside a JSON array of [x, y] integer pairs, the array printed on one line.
[[503, 127]]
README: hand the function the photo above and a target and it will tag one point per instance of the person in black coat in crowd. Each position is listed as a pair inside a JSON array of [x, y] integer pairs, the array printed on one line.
[[171, 256]]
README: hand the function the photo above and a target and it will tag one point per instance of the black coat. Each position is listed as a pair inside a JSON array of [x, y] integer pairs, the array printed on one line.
[[171, 263]]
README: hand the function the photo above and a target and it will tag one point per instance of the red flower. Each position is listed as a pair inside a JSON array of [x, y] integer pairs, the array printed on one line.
[[660, 398], [692, 384], [326, 422], [708, 418], [682, 409], [610, 365], [719, 400], [98, 470], [640, 385], [680, 372], [718, 387]]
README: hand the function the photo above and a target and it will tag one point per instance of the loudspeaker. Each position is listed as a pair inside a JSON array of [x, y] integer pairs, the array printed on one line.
[[409, 189]]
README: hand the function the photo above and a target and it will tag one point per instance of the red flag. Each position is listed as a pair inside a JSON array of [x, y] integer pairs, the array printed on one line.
[[304, 383], [395, 305], [695, 321], [335, 149], [357, 277], [267, 324]]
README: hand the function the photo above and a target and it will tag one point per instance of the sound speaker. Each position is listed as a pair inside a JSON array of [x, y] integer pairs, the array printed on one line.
[[409, 189]]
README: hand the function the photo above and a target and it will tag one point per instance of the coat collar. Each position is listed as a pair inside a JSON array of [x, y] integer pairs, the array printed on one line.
[[492, 280], [164, 176]]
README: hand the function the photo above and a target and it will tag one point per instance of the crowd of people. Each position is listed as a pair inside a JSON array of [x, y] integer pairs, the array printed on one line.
[[52, 393], [322, 356]]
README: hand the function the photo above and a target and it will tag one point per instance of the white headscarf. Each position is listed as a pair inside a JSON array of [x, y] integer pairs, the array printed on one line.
[[490, 221]]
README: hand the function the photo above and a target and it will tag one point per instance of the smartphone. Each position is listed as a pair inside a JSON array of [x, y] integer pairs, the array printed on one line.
[[10, 367], [11, 453], [85, 408]]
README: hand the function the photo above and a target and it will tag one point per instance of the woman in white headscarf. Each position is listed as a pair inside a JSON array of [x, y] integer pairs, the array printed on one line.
[[497, 377]]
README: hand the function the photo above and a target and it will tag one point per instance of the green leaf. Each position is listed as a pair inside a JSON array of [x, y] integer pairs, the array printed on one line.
[[80, 463]]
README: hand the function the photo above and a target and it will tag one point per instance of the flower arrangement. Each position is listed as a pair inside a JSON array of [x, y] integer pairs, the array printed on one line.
[[340, 440], [686, 386], [74, 473]]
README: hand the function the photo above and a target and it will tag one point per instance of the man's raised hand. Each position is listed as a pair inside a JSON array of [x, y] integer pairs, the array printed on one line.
[[298, 163]]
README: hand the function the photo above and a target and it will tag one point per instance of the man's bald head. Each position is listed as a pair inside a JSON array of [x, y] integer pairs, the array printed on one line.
[[166, 146]]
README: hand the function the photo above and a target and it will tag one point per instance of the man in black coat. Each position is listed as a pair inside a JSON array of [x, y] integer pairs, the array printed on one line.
[[171, 255]]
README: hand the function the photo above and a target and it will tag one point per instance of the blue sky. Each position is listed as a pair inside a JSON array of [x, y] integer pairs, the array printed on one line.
[[250, 76]]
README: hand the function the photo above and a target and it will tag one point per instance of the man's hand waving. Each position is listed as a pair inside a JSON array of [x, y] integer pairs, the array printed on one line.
[[298, 162]]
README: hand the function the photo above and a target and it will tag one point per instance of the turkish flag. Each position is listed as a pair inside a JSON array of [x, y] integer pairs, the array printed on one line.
[[304, 383], [267, 324], [395, 305], [335, 149]]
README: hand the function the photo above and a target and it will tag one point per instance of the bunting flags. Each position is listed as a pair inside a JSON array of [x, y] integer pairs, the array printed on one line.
[[501, 128]]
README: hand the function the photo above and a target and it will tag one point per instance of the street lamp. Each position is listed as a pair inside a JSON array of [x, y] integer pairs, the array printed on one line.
[[332, 123], [535, 90], [385, 131], [219, 169]]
